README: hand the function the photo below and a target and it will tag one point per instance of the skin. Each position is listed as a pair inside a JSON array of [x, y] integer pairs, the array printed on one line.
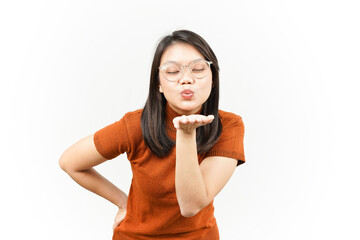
[[184, 54], [119, 217], [196, 185], [79, 161]]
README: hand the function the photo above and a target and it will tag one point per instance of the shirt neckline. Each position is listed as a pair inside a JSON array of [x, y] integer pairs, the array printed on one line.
[[171, 114]]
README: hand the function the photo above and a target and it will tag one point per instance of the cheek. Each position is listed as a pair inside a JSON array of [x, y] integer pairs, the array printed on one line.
[[207, 86], [166, 87], [162, 84]]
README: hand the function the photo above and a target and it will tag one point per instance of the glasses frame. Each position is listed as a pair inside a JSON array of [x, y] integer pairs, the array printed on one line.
[[161, 68]]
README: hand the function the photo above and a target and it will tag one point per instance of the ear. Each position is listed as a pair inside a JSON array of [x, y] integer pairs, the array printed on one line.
[[160, 89]]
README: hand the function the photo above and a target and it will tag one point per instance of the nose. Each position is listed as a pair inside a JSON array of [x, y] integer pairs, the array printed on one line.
[[186, 78]]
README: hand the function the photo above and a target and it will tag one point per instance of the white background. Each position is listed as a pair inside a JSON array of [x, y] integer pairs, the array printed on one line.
[[289, 68]]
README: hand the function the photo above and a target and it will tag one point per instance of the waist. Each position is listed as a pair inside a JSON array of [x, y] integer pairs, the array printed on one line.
[[205, 233]]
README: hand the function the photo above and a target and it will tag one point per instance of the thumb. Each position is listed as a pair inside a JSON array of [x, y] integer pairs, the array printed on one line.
[[115, 225]]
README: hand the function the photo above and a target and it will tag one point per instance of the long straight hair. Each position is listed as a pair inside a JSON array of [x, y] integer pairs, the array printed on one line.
[[153, 117]]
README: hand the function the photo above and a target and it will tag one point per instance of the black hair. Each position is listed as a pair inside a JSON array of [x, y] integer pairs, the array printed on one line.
[[154, 113]]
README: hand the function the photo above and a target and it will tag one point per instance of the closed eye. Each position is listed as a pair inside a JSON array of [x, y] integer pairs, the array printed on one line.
[[173, 72]]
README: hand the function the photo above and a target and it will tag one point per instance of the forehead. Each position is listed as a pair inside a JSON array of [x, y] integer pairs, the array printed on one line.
[[182, 53]]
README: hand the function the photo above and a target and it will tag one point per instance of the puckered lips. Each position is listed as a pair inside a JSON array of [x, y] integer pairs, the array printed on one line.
[[187, 94]]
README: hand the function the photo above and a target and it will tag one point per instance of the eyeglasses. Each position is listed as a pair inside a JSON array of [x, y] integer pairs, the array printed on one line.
[[173, 71]]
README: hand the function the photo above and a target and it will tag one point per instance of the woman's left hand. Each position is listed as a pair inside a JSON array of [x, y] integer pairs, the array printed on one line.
[[191, 122], [119, 217]]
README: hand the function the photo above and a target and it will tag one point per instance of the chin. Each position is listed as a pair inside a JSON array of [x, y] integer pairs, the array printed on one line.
[[189, 107]]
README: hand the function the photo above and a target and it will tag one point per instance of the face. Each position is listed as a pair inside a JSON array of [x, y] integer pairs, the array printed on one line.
[[184, 103]]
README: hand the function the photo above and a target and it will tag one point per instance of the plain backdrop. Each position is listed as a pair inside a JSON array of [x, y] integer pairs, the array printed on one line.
[[289, 68]]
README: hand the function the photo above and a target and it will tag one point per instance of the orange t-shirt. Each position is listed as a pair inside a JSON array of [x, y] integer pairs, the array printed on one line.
[[152, 208]]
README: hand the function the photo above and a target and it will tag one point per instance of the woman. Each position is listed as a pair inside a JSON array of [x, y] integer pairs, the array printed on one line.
[[182, 149]]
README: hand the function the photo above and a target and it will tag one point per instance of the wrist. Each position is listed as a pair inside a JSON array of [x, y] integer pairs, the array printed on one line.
[[122, 209], [122, 203], [186, 133]]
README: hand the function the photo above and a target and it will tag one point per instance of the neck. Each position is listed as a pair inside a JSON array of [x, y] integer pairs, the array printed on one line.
[[171, 114], [182, 112]]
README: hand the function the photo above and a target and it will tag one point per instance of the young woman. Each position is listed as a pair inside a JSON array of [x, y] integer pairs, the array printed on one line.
[[182, 148]]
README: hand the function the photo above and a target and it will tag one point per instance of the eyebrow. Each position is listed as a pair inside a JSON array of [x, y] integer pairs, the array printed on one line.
[[171, 61]]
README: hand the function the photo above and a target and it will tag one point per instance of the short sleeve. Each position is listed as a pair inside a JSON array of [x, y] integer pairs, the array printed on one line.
[[112, 140], [231, 141]]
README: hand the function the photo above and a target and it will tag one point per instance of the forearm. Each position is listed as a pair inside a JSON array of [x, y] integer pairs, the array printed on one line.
[[96, 183], [189, 184]]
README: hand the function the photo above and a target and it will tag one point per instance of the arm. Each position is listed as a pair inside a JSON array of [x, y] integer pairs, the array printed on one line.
[[78, 161], [196, 186]]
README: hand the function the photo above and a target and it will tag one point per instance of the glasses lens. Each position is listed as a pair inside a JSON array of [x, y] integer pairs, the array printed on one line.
[[200, 69], [171, 71]]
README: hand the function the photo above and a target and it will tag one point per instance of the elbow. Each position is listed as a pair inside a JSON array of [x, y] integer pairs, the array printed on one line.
[[62, 164], [190, 211]]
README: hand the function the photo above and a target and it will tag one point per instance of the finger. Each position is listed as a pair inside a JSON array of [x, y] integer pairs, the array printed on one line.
[[176, 123], [184, 119], [210, 118], [191, 119], [117, 222], [198, 118], [207, 119]]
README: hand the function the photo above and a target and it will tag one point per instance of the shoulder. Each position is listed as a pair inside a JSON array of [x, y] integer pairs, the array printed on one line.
[[230, 119], [133, 114], [230, 142], [132, 119]]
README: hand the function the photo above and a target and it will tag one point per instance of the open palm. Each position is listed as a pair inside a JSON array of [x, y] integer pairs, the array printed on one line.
[[191, 122]]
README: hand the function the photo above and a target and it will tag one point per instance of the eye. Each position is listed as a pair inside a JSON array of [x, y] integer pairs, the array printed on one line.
[[172, 69], [172, 72], [198, 70]]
